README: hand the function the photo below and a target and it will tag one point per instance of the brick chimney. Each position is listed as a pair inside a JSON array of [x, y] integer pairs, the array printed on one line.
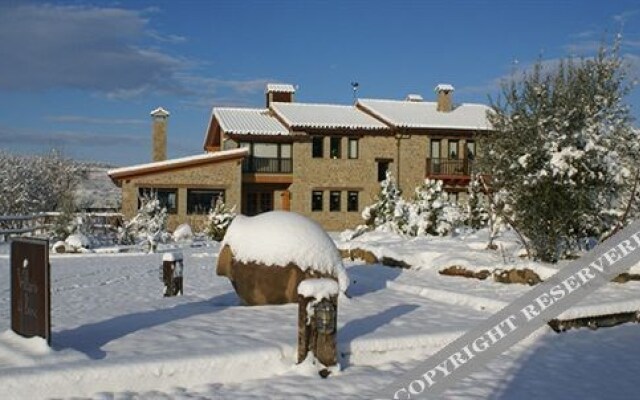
[[159, 134], [279, 92], [444, 94]]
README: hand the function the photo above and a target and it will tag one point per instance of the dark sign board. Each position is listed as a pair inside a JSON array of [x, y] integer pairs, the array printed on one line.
[[30, 294]]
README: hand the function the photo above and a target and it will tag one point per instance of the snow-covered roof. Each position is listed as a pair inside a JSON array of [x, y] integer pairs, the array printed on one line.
[[444, 87], [414, 97], [325, 116], [280, 88], [159, 166], [160, 112], [247, 121], [412, 114]]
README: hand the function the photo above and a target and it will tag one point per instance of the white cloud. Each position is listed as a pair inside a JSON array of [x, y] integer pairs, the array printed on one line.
[[81, 119], [108, 51], [54, 139], [625, 15], [98, 49]]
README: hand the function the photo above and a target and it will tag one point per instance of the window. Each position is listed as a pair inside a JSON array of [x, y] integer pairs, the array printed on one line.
[[168, 197], [383, 167], [471, 150], [317, 147], [453, 149], [200, 201], [435, 148], [316, 200], [352, 201], [353, 148], [335, 150], [435, 167], [334, 201], [285, 150]]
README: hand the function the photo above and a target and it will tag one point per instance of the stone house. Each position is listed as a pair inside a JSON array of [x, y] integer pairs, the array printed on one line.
[[324, 161]]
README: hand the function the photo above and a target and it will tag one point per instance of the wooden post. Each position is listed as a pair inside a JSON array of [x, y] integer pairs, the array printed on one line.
[[317, 327], [172, 272]]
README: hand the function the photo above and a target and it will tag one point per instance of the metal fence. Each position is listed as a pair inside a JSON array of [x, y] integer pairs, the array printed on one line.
[[446, 166], [268, 165]]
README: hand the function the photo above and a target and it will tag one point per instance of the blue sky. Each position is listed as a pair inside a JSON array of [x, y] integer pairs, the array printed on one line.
[[82, 76]]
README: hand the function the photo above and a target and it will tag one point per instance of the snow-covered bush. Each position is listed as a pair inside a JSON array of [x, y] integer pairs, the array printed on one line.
[[32, 184], [562, 151], [219, 219], [390, 211], [182, 232], [148, 226]]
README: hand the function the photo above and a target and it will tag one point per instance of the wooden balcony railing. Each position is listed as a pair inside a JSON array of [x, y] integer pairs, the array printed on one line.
[[448, 167], [267, 165]]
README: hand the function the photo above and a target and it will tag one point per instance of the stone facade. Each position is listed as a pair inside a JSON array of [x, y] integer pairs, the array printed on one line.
[[225, 175], [343, 175], [407, 156]]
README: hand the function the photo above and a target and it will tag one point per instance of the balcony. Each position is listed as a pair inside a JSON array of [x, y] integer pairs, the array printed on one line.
[[267, 165], [448, 168]]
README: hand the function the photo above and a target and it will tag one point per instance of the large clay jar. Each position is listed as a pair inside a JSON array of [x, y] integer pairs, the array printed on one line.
[[267, 256]]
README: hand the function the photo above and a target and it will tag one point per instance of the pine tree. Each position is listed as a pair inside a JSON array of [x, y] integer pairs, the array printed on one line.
[[429, 214], [149, 225], [561, 151], [477, 215], [390, 211], [220, 217]]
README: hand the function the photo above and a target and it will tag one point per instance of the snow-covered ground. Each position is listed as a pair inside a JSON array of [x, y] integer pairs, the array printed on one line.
[[116, 337]]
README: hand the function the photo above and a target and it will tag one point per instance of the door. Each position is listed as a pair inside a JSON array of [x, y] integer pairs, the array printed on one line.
[[258, 202], [286, 200]]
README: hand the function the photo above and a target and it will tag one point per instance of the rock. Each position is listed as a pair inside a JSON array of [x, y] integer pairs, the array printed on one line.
[[456, 270], [392, 262], [626, 277], [522, 276], [594, 322], [76, 242], [59, 247], [359, 254], [345, 253]]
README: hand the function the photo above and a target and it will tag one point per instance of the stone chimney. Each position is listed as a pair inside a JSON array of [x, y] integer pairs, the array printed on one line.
[[444, 94], [279, 92], [159, 134]]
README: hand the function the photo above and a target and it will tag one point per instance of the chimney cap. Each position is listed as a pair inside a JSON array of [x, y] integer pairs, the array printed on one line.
[[160, 112], [414, 97], [280, 88], [444, 87]]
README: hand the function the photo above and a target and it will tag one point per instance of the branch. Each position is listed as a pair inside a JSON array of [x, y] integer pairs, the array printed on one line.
[[506, 217], [624, 216]]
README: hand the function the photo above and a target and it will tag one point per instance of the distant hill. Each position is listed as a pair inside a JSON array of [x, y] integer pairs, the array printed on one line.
[[96, 190]]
